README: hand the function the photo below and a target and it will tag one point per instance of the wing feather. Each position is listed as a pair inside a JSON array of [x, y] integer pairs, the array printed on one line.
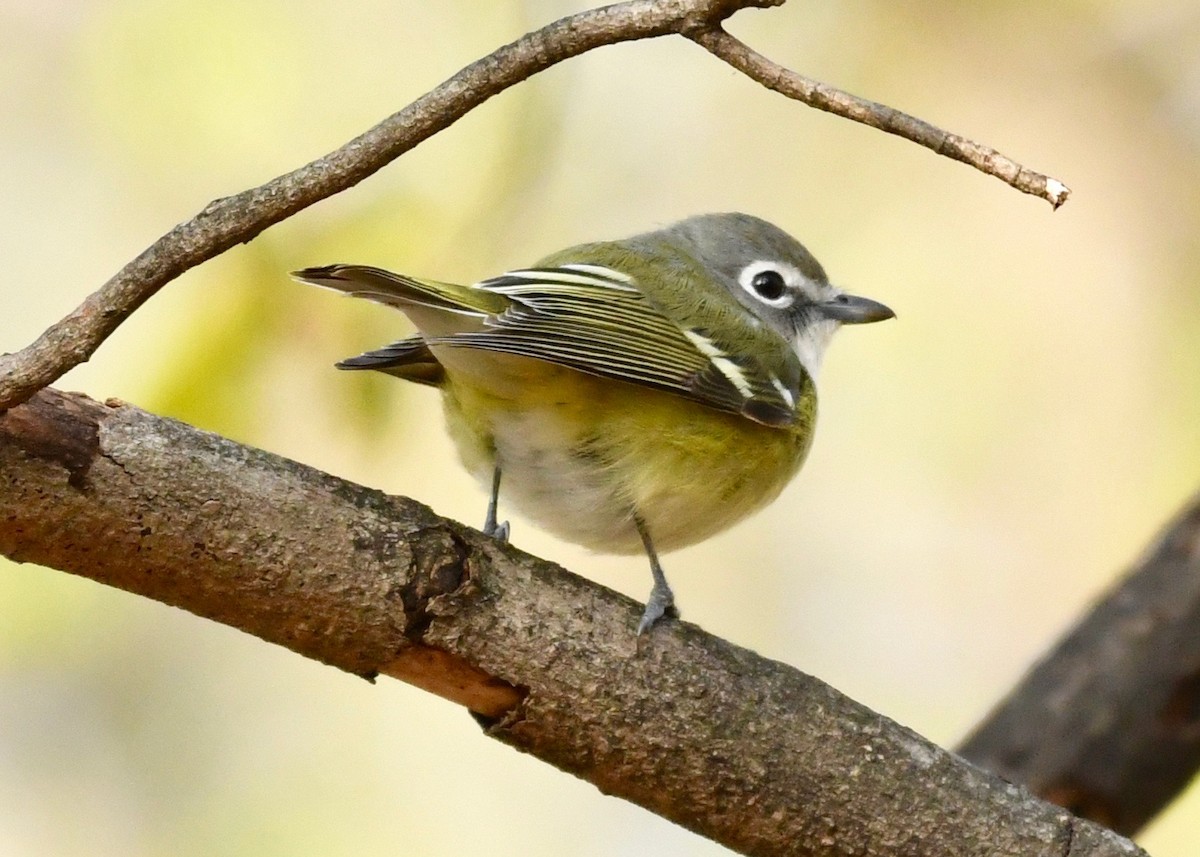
[[596, 320]]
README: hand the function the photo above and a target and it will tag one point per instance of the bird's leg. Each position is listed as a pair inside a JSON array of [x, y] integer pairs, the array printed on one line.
[[662, 600], [490, 527]]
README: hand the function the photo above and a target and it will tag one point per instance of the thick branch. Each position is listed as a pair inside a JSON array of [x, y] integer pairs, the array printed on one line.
[[1108, 724], [238, 219], [741, 749], [825, 97]]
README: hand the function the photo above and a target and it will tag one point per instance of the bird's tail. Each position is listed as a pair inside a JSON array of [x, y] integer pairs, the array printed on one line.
[[402, 291]]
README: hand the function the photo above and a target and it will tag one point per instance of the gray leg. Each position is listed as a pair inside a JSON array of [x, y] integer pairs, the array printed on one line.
[[490, 527], [662, 600]]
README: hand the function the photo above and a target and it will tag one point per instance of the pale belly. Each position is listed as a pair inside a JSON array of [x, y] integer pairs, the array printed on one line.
[[580, 456]]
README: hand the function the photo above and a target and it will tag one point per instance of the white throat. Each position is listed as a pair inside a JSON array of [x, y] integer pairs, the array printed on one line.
[[810, 343]]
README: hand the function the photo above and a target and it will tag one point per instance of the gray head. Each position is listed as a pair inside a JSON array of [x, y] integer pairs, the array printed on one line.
[[772, 274]]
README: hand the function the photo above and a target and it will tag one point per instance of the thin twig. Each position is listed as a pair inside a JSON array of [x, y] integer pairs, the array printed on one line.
[[824, 97], [239, 218]]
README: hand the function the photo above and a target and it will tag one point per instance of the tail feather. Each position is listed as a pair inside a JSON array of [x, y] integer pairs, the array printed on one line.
[[401, 291], [409, 359]]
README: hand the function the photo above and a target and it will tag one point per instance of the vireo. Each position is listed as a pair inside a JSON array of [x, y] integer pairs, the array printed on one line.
[[632, 395]]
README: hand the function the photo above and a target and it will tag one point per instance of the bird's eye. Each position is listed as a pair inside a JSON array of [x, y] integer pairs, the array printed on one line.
[[770, 282], [769, 285]]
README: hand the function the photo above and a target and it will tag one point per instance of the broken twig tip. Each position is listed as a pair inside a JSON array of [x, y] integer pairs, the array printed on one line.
[[1056, 193]]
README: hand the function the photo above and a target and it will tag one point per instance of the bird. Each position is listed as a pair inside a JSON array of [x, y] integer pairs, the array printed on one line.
[[631, 396]]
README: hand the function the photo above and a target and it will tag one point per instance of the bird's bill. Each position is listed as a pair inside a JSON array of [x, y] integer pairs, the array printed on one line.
[[852, 309]]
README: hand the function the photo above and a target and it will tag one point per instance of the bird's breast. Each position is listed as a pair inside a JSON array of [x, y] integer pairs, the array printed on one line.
[[580, 455]]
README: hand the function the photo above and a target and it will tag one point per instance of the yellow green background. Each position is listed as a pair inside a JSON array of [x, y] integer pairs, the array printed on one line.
[[984, 466]]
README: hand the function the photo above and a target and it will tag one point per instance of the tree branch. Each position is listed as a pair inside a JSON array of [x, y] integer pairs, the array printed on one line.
[[238, 219], [825, 97], [1108, 724], [746, 751]]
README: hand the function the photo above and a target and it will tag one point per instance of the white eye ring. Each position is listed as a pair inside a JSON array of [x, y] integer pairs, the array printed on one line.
[[770, 283]]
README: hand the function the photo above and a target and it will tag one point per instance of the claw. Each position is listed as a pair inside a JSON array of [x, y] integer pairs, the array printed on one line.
[[499, 532], [660, 603]]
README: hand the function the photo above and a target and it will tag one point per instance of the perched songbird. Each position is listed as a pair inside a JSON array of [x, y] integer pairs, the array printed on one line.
[[630, 395]]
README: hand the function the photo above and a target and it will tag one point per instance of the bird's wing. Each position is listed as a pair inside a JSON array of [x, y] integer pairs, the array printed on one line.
[[594, 319]]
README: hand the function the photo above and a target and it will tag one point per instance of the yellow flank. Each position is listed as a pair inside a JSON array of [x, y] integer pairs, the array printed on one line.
[[578, 454]]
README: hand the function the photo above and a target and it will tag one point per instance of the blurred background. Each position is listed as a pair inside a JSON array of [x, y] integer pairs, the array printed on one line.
[[985, 465]]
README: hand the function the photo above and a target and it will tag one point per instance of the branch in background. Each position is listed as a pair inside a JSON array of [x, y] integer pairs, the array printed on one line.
[[741, 749], [238, 219], [824, 97], [1108, 724]]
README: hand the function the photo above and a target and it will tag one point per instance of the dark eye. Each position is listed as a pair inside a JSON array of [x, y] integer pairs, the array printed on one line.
[[767, 280], [769, 285]]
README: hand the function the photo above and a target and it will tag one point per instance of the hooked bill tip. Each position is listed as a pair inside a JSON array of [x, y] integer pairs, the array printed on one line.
[[852, 309]]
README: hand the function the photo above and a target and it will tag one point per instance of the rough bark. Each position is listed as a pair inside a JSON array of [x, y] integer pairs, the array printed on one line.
[[744, 750], [1108, 723]]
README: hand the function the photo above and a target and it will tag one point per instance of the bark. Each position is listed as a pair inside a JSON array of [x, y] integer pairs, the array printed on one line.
[[1108, 724], [744, 750]]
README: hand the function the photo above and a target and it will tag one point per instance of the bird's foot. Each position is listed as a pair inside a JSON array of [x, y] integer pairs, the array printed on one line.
[[660, 603], [499, 531]]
